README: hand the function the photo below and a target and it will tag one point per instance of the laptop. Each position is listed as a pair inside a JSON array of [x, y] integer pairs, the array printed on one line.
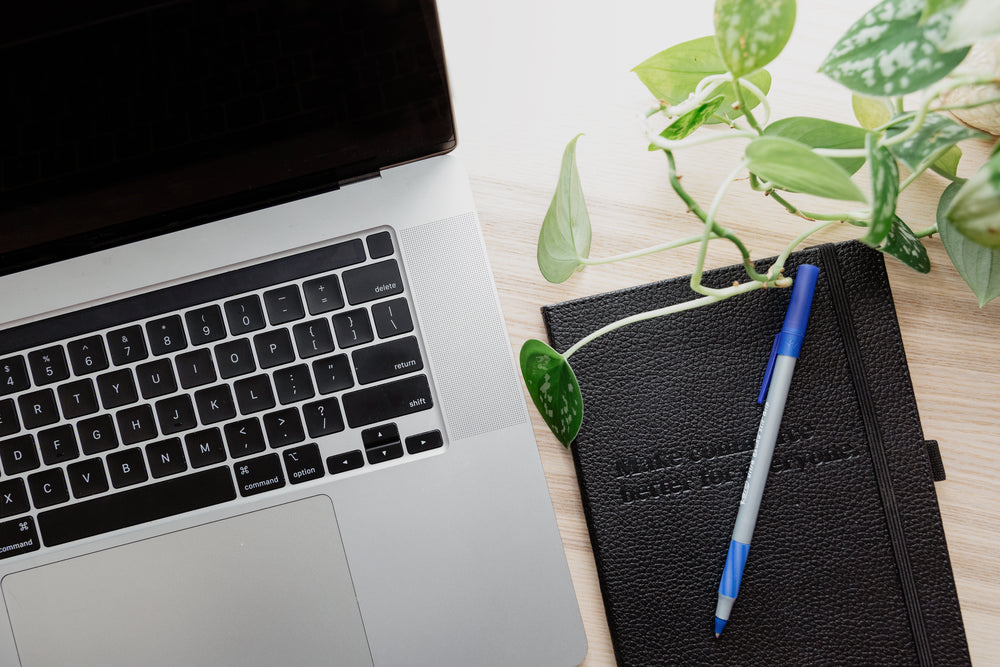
[[257, 400]]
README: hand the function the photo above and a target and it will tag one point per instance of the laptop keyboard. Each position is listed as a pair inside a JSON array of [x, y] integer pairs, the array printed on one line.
[[224, 387]]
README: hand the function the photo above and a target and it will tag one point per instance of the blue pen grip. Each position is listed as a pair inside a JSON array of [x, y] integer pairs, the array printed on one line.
[[736, 560], [793, 331]]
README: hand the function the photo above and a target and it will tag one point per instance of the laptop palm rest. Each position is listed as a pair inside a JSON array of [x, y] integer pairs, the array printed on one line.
[[255, 589]]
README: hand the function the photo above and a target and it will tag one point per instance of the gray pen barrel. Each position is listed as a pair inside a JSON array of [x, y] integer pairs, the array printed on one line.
[[767, 435]]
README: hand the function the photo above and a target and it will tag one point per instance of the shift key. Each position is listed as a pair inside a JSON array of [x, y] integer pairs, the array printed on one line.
[[387, 401]]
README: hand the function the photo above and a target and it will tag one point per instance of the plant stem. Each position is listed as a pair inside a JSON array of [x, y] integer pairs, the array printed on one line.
[[779, 263], [709, 224], [738, 88], [807, 215], [933, 229], [719, 295], [718, 229], [643, 251]]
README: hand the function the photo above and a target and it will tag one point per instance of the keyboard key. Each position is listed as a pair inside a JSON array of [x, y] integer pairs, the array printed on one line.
[[374, 281], [205, 325], [13, 375], [87, 478], [284, 427], [165, 457], [78, 398], [283, 305], [258, 475], [13, 497], [244, 315], [344, 462], [293, 384], [384, 453], [48, 365], [136, 424], [156, 378], [127, 345], [18, 454], [245, 438], [18, 537], [175, 414], [303, 463], [323, 417], [117, 388], [387, 401], [58, 444], [48, 487], [215, 404], [352, 328], [195, 369], [273, 348], [392, 318], [9, 424], [97, 434], [166, 335], [205, 448], [386, 360], [254, 394], [127, 467], [323, 294], [235, 358], [379, 245], [87, 355], [380, 435], [332, 374], [313, 338], [136, 506], [424, 442], [38, 408]]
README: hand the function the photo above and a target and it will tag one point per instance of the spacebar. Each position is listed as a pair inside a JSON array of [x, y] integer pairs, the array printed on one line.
[[135, 506]]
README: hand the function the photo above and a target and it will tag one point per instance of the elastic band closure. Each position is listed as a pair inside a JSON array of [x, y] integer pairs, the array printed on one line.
[[876, 446]]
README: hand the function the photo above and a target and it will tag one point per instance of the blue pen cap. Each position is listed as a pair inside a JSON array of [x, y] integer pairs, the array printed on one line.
[[793, 331]]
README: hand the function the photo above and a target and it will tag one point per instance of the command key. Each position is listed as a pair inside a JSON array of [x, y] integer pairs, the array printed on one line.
[[18, 537]]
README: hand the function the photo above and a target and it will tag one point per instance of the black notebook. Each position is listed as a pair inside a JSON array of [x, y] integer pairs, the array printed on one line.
[[848, 563]]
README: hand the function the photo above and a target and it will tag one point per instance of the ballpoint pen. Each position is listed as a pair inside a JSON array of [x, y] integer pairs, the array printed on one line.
[[777, 379]]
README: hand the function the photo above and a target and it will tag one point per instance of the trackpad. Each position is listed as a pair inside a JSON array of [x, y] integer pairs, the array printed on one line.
[[270, 587]]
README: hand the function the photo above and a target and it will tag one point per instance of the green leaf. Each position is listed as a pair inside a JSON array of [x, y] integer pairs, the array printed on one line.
[[553, 389], [819, 133], [792, 166], [978, 266], [932, 7], [975, 211], [673, 74], [689, 122], [885, 190], [870, 112], [564, 240], [932, 139], [975, 21], [948, 162], [751, 33], [888, 52], [903, 244]]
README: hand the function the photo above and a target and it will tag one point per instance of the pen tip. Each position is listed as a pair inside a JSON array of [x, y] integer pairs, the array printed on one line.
[[720, 623], [716, 635]]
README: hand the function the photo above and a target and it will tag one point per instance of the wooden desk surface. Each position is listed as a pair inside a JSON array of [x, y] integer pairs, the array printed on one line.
[[527, 75]]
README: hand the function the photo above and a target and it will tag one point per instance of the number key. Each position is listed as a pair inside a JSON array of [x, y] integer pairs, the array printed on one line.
[[48, 365], [127, 345], [244, 314], [205, 325], [87, 355], [166, 335], [13, 375]]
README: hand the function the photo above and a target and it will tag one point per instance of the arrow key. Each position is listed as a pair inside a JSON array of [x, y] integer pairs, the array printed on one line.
[[424, 442], [377, 436], [384, 453], [344, 462]]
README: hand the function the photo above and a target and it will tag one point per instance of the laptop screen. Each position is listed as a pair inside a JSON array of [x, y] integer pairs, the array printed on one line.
[[122, 120]]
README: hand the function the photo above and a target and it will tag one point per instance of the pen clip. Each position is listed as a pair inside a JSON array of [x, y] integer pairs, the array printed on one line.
[[769, 370]]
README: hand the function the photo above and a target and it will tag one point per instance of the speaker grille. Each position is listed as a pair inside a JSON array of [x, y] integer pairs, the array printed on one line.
[[462, 326]]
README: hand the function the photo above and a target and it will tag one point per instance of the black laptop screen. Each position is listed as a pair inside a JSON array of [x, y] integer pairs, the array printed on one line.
[[121, 120]]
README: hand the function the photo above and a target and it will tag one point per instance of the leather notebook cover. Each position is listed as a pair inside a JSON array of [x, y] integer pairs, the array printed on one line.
[[848, 563]]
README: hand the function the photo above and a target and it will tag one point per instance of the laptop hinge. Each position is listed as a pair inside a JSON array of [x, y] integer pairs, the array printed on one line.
[[356, 179]]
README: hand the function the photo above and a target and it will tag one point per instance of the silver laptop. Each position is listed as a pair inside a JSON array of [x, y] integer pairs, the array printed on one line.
[[257, 402]]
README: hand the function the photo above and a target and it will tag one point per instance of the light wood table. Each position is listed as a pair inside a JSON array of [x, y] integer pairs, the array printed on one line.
[[527, 75]]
